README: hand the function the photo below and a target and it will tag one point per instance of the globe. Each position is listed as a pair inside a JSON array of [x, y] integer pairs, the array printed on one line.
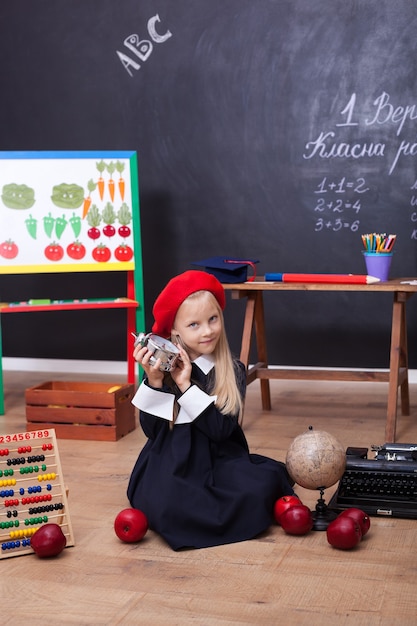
[[316, 459]]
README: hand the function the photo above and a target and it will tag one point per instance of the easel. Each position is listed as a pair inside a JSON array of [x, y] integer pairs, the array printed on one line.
[[132, 301]]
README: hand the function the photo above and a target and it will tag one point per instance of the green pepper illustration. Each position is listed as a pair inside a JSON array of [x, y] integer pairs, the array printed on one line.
[[18, 196], [48, 224], [60, 225], [75, 222], [31, 226], [67, 196]]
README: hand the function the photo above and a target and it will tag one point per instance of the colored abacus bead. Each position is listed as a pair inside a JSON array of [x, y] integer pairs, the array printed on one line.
[[8, 482], [5, 493], [27, 532], [11, 503], [6, 472], [50, 476], [24, 449]]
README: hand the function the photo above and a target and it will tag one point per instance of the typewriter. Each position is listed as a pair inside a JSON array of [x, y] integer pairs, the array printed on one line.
[[385, 485]]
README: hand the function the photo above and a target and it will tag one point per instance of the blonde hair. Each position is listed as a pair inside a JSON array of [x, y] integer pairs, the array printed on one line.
[[224, 386]]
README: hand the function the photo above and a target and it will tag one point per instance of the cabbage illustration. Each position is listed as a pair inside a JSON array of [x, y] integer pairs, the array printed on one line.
[[67, 196], [18, 196]]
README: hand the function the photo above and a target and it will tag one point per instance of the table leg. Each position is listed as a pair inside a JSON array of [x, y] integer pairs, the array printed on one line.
[[247, 329], [254, 317], [398, 375], [261, 349]]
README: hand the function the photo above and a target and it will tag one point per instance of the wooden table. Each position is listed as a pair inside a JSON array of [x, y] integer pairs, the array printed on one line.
[[396, 377]]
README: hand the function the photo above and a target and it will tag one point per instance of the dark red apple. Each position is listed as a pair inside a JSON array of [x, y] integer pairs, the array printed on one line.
[[49, 540], [131, 525], [297, 520], [361, 517], [284, 503], [344, 532]]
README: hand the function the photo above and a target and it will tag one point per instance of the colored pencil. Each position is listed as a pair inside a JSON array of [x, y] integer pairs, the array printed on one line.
[[343, 279], [378, 242]]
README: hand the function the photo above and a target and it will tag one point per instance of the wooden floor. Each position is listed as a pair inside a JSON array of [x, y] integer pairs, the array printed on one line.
[[275, 579]]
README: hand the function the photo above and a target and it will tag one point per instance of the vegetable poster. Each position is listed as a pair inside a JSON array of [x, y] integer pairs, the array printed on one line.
[[68, 211]]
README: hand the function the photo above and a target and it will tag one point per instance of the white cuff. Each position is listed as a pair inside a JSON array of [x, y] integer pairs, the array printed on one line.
[[193, 402], [155, 402]]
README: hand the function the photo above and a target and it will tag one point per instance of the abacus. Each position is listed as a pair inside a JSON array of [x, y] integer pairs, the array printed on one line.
[[32, 492]]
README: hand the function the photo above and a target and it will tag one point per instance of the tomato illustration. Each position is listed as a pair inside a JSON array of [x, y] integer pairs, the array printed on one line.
[[76, 250], [101, 254], [8, 249], [123, 252], [54, 252]]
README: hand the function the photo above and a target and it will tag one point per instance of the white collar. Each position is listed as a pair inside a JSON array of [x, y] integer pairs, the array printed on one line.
[[205, 362]]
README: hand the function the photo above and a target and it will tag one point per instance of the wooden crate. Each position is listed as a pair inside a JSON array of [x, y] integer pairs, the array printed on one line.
[[81, 410]]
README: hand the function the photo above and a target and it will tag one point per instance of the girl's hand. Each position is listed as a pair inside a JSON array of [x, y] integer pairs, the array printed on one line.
[[181, 374], [154, 374]]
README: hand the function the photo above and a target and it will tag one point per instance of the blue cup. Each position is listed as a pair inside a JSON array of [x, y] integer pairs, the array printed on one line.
[[378, 264]]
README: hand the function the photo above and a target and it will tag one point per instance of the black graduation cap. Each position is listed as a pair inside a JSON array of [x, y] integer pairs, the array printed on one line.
[[228, 269]]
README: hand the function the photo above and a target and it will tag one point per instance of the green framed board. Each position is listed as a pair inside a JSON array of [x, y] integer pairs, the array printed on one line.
[[68, 211]]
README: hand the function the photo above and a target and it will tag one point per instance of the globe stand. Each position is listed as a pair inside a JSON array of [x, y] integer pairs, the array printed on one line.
[[322, 516]]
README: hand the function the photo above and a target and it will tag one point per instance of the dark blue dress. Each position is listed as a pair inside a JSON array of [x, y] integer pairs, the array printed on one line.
[[198, 484]]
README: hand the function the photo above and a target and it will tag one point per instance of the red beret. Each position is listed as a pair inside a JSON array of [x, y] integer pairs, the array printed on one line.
[[176, 291]]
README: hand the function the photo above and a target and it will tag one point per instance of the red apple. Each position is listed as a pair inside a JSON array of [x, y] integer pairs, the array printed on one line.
[[360, 516], [344, 532], [131, 525], [49, 540], [284, 503], [297, 520]]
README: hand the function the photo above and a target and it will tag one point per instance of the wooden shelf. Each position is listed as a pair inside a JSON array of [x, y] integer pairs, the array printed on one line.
[[70, 305]]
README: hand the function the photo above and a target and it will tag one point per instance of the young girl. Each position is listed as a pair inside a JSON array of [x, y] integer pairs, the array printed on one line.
[[195, 479]]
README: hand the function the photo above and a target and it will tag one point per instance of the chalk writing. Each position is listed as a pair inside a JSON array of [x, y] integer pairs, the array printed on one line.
[[336, 225], [413, 216], [141, 48], [405, 149], [337, 205], [386, 113], [342, 185], [328, 145]]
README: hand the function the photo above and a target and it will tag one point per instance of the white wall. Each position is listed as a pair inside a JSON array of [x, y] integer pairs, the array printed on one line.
[[118, 368]]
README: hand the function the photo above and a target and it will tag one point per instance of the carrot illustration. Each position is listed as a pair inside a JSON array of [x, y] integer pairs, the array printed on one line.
[[121, 184], [91, 185], [101, 166], [110, 169]]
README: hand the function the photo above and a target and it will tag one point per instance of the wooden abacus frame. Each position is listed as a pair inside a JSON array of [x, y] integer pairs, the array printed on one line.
[[18, 522]]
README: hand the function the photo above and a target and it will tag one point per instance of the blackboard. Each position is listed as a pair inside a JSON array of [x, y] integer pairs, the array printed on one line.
[[278, 130]]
